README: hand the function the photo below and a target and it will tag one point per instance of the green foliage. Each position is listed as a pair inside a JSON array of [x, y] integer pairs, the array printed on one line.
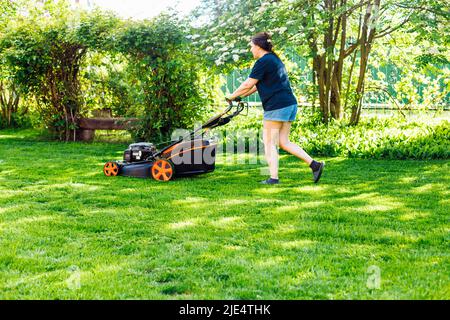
[[162, 70], [412, 73], [75, 61], [429, 22], [107, 83], [7, 9], [223, 38], [373, 138], [427, 59], [175, 88], [45, 51], [147, 40], [302, 25], [377, 139]]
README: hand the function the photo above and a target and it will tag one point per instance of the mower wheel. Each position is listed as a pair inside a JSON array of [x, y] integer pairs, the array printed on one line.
[[111, 169], [162, 170]]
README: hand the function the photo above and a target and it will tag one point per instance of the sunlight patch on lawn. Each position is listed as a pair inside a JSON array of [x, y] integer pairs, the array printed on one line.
[[267, 201], [295, 281], [309, 188], [444, 202], [313, 204], [295, 244], [399, 236], [12, 193], [183, 224], [363, 196], [426, 188], [234, 201], [96, 173], [29, 279], [270, 262], [407, 180], [129, 190], [381, 206], [359, 249], [233, 247], [374, 202], [413, 215], [83, 186], [39, 182], [228, 159], [190, 200], [99, 269], [285, 229], [227, 222], [304, 275], [8, 172], [11, 224], [79, 186]]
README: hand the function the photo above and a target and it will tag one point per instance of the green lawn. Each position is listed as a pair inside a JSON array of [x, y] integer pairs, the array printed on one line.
[[67, 231]]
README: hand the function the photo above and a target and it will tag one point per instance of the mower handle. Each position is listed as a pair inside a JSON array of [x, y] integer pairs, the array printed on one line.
[[221, 119], [216, 121], [237, 99]]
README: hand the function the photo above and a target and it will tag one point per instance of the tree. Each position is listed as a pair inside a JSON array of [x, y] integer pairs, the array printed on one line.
[[48, 46], [45, 49], [9, 102], [175, 86], [9, 93], [338, 36]]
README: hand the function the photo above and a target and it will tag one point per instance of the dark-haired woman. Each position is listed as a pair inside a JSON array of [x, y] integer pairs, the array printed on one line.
[[270, 79]]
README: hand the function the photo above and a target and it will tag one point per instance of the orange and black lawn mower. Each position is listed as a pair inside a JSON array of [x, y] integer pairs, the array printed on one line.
[[192, 154]]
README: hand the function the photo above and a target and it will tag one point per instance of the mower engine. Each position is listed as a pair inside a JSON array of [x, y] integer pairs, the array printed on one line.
[[139, 152]]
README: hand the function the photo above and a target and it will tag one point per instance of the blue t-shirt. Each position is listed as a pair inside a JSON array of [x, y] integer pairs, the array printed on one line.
[[273, 86]]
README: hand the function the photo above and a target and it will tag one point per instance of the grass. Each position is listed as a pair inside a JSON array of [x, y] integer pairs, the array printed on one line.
[[69, 232]]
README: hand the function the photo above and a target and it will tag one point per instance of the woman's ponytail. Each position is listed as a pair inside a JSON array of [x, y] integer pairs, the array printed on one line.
[[263, 40]]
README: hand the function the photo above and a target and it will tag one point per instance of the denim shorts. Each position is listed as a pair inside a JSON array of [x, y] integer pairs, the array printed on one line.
[[284, 114]]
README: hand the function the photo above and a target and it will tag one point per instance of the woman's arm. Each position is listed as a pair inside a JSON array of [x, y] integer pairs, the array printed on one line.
[[245, 89], [249, 92]]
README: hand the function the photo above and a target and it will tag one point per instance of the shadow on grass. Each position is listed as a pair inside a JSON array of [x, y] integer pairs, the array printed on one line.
[[220, 235]]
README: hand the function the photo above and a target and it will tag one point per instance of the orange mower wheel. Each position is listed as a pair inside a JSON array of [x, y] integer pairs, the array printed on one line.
[[111, 169], [162, 170]]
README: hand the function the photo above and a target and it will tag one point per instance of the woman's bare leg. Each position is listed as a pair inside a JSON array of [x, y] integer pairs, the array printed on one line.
[[290, 147], [271, 134]]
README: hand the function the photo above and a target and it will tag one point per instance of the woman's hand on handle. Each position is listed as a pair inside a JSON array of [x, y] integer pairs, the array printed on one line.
[[230, 100]]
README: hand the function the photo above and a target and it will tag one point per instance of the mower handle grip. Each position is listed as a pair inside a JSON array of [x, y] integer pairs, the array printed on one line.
[[237, 99]]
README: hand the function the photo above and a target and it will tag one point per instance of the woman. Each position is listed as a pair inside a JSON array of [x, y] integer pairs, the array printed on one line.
[[270, 79]]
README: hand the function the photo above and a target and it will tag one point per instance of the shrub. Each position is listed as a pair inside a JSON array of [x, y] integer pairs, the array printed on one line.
[[175, 86], [374, 138]]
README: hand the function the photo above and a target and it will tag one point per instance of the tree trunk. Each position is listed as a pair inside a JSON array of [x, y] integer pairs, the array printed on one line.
[[367, 37], [9, 102], [328, 60], [61, 92], [319, 66], [336, 83], [327, 70], [350, 74]]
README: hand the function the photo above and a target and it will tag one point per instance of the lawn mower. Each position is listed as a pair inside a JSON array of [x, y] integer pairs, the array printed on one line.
[[192, 154]]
